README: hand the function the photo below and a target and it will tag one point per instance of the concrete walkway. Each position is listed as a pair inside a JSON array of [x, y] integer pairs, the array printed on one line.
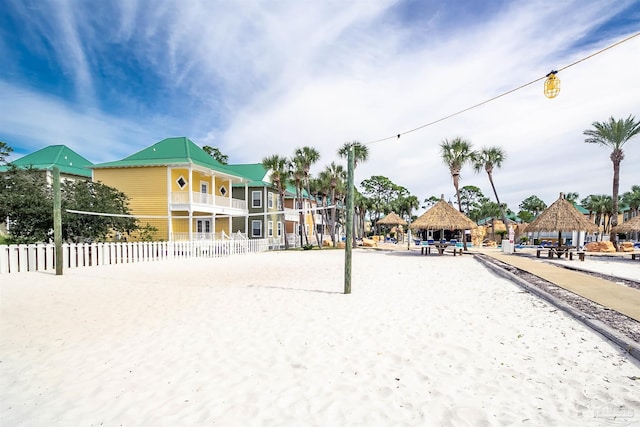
[[618, 297]]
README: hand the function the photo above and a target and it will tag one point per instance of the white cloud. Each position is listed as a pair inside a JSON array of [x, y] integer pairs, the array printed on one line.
[[255, 79]]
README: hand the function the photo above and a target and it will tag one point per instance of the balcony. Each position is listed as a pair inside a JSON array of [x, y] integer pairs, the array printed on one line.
[[207, 203]]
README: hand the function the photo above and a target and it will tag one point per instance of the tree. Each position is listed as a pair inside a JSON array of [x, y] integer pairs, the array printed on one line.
[[632, 199], [361, 206], [216, 154], [532, 204], [488, 158], [280, 174], [571, 197], [27, 202], [5, 151], [613, 134], [430, 201], [600, 207], [297, 175], [360, 155], [335, 176], [405, 204], [455, 154], [525, 216], [470, 196], [381, 192], [306, 157], [94, 197], [360, 152]]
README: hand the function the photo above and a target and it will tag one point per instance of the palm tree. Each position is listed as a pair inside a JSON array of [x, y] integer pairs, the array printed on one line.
[[360, 155], [405, 205], [360, 152], [297, 172], [613, 134], [307, 156], [360, 204], [572, 197], [455, 154], [280, 174], [488, 158], [598, 207], [334, 175], [632, 199]]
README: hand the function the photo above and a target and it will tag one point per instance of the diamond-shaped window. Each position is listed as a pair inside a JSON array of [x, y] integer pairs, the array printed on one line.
[[181, 182], [223, 191]]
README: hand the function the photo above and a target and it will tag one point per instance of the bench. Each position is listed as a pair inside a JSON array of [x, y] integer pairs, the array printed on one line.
[[559, 252], [635, 257], [580, 255], [456, 249]]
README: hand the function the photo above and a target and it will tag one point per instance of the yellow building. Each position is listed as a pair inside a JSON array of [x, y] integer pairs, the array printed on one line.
[[177, 189]]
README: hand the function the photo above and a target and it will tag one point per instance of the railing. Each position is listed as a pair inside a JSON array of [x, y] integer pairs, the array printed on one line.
[[182, 197], [41, 257]]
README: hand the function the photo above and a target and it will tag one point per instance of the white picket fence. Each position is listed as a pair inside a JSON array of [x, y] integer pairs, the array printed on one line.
[[39, 257]]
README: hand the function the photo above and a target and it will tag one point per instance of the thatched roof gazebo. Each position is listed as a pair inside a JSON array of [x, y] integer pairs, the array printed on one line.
[[561, 216], [392, 219], [628, 227], [443, 216]]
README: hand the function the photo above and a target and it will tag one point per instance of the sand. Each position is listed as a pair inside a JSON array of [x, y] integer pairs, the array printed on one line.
[[270, 340]]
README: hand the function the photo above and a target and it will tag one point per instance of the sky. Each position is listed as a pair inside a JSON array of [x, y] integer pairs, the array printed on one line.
[[257, 78]]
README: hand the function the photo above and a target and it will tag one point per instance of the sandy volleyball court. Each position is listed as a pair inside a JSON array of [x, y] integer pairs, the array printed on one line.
[[270, 340]]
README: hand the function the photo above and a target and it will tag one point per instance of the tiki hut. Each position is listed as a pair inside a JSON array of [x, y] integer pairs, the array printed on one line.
[[392, 220], [561, 216], [443, 216], [628, 227]]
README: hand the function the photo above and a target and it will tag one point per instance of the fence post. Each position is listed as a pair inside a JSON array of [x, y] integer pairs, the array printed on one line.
[[4, 259]]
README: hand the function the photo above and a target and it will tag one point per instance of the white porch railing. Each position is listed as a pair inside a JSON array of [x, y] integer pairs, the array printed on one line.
[[40, 257], [182, 197]]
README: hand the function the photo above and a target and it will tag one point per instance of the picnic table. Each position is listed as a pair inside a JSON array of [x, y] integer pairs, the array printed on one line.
[[426, 246], [559, 251]]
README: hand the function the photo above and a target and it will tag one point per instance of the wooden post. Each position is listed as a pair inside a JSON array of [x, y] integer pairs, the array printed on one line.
[[349, 237], [57, 220]]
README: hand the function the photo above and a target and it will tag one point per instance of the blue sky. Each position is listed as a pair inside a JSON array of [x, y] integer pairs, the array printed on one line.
[[256, 78]]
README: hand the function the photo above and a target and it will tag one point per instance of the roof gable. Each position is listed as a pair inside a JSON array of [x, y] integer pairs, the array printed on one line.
[[60, 156], [169, 151]]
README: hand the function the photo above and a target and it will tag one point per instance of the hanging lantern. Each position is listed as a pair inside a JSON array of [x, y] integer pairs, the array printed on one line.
[[552, 85]]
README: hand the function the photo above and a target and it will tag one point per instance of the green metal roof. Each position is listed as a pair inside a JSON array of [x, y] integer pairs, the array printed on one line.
[[581, 209], [170, 151], [253, 172], [67, 160]]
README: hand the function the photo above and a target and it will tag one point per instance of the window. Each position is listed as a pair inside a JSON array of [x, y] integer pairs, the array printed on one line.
[[256, 228], [181, 182], [222, 190], [279, 203], [256, 199], [204, 191], [279, 229], [270, 200], [270, 229]]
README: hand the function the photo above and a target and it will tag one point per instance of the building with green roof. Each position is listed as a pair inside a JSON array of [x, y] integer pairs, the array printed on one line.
[[71, 164], [179, 189]]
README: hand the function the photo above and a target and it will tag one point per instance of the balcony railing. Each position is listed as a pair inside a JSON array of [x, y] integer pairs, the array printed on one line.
[[182, 198]]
